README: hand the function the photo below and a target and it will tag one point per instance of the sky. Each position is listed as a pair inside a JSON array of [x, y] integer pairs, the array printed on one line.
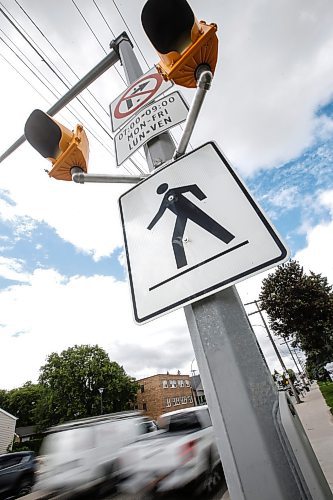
[[63, 277]]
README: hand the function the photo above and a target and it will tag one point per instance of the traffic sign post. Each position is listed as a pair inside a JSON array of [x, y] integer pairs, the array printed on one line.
[[256, 455], [196, 216]]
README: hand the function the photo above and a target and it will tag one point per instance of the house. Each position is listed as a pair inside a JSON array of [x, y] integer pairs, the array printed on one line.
[[7, 430], [164, 392], [198, 390], [25, 433]]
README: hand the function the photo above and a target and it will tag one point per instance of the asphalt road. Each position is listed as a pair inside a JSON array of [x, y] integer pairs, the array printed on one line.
[[215, 489]]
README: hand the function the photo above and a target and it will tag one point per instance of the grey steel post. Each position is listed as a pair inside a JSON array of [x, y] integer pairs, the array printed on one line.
[[204, 82], [159, 149], [242, 398]]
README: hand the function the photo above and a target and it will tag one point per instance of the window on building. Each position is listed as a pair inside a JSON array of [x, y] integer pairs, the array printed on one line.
[[184, 400], [165, 384], [202, 400], [189, 399], [168, 402], [173, 383], [142, 388], [177, 401], [144, 406], [180, 383], [187, 383]]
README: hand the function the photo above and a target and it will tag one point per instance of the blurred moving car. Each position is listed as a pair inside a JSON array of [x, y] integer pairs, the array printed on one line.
[[182, 452], [79, 452], [17, 473]]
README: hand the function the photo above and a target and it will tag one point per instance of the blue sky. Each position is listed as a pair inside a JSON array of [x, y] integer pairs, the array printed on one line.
[[62, 272]]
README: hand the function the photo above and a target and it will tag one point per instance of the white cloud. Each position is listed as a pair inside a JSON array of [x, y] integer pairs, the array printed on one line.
[[12, 269], [275, 69], [317, 255], [56, 312], [52, 312]]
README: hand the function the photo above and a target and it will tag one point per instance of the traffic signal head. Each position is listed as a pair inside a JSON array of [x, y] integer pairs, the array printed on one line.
[[64, 148], [183, 43]]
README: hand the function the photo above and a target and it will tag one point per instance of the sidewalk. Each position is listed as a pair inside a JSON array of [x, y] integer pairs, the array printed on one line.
[[317, 421]]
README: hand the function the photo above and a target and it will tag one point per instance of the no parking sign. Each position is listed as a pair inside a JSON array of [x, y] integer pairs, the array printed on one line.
[[142, 91]]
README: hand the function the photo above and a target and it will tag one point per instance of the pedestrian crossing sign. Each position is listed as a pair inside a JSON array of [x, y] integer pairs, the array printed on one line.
[[191, 229]]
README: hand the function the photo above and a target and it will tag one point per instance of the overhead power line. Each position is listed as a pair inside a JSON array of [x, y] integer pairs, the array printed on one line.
[[25, 79], [62, 78], [55, 94], [58, 54], [103, 17], [128, 28], [45, 58], [53, 71], [95, 36]]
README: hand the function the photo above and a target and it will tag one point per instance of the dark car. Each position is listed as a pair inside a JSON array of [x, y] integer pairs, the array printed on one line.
[[17, 473]]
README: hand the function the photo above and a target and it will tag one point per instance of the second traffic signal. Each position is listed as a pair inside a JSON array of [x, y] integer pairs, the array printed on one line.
[[63, 147], [183, 43]]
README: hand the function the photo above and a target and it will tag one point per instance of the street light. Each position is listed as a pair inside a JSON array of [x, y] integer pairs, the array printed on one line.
[[100, 390]]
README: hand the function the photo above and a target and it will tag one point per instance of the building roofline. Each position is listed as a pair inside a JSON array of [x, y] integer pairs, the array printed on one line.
[[164, 375], [8, 414]]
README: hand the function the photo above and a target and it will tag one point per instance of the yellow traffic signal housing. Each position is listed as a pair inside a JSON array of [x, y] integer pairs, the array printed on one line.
[[182, 42], [64, 148]]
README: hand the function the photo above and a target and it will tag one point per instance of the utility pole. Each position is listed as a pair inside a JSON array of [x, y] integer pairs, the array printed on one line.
[[291, 354], [277, 352]]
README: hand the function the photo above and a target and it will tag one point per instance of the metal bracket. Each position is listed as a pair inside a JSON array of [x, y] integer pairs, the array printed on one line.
[[114, 44], [203, 85], [80, 177]]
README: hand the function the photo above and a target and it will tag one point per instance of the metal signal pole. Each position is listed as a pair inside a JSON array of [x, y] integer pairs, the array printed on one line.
[[243, 401]]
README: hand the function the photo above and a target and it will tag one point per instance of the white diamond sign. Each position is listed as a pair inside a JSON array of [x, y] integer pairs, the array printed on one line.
[[191, 229]]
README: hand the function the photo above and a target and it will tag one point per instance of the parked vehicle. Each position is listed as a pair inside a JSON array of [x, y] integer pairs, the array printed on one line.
[[17, 473], [79, 452], [182, 452]]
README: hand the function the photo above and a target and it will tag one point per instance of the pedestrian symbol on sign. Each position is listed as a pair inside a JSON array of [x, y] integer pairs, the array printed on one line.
[[184, 209]]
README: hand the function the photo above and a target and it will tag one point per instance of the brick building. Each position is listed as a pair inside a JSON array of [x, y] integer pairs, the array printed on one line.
[[164, 392]]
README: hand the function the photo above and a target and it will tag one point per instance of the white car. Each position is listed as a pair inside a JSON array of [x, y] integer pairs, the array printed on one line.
[[79, 452], [182, 452]]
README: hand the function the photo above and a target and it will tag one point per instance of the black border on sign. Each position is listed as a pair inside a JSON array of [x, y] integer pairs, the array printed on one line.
[[280, 245]]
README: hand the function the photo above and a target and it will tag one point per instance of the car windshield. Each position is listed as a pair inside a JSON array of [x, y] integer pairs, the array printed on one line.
[[179, 422]]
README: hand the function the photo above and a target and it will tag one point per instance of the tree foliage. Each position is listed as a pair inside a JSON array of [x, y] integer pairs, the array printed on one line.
[[22, 402], [71, 382], [300, 308]]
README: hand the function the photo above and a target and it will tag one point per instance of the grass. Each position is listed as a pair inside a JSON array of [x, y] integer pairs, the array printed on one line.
[[327, 391]]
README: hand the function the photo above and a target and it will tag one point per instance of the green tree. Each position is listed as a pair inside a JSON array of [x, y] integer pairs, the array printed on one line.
[[23, 401], [3, 399], [71, 382], [300, 309]]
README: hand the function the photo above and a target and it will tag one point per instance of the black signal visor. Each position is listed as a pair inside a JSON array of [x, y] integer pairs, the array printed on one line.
[[43, 134], [168, 24]]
